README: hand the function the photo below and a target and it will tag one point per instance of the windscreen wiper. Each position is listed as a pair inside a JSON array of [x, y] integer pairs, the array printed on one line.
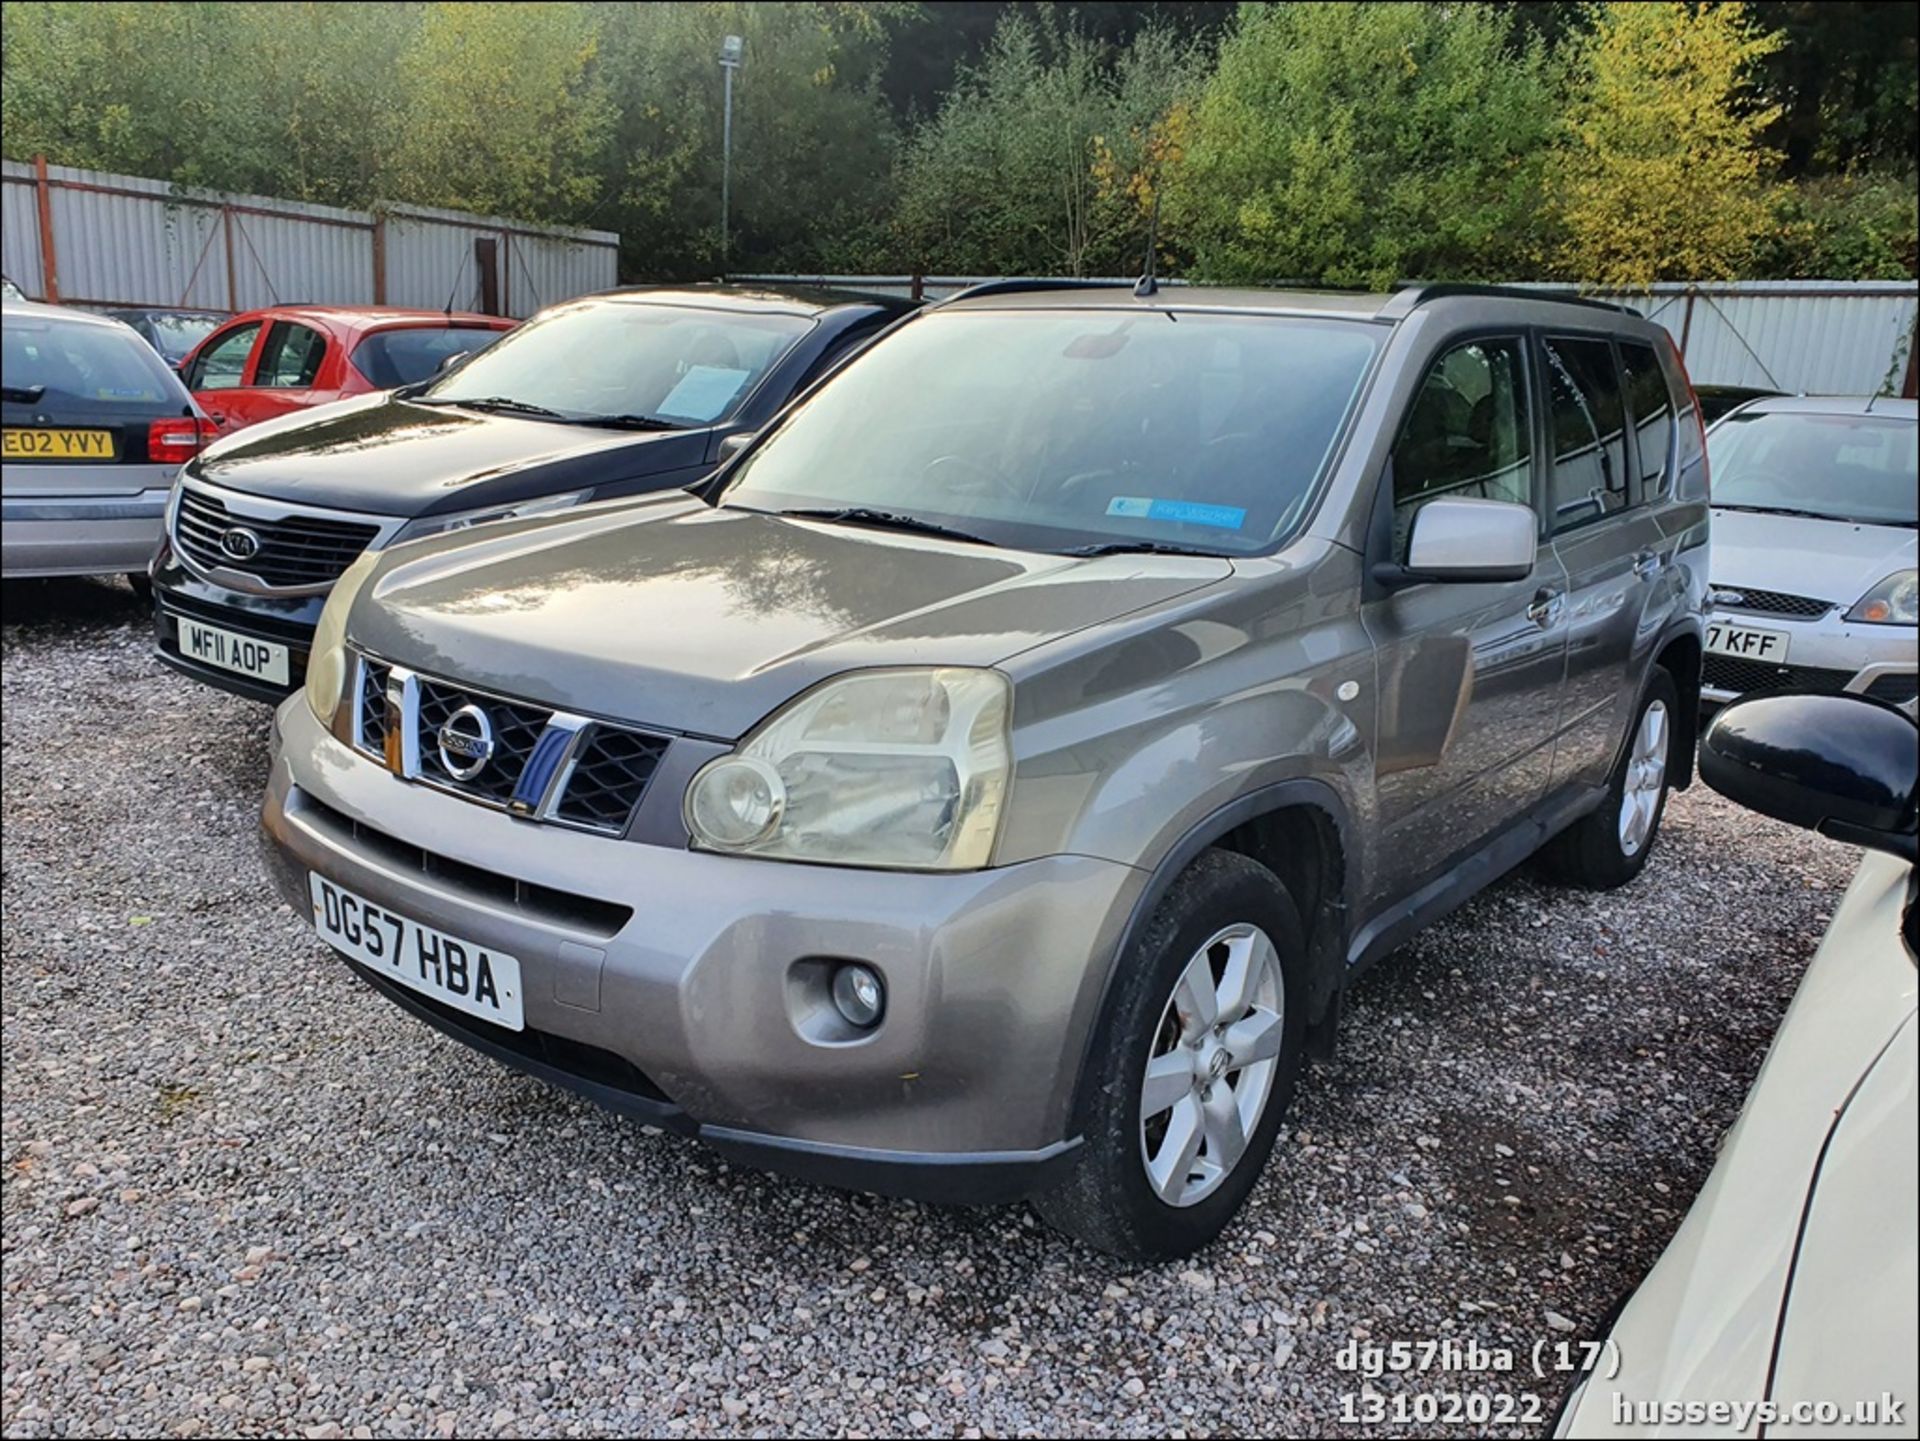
[[627, 422], [1136, 547], [23, 394], [885, 520], [506, 404], [1781, 510]]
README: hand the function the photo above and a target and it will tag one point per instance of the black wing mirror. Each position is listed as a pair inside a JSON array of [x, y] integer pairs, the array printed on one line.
[[1842, 765]]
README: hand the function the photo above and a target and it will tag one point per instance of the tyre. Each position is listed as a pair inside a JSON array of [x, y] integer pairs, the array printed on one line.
[[1192, 1068], [1610, 847]]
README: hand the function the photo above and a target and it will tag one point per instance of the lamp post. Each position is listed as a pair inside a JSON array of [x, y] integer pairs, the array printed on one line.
[[730, 49]]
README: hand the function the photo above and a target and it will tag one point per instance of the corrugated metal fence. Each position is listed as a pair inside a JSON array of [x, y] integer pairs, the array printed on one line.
[[87, 237], [1821, 337]]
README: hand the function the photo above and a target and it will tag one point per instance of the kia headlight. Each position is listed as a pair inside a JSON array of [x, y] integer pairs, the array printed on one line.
[[1895, 601], [327, 658], [901, 769], [461, 519]]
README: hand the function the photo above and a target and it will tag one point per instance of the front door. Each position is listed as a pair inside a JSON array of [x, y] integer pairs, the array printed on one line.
[[1470, 674]]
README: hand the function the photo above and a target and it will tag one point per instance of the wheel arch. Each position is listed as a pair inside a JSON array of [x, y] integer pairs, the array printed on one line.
[[1299, 829], [1681, 656]]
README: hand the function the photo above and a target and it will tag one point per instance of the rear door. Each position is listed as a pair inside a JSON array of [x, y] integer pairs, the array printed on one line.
[[1609, 542], [219, 370], [284, 376], [79, 402], [1470, 675]]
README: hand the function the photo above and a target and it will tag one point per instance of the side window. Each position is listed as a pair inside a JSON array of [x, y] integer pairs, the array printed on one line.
[[1589, 478], [221, 365], [1466, 434], [290, 360], [1652, 410]]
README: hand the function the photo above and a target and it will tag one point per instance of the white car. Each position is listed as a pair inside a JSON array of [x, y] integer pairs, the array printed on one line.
[[1814, 548], [1785, 1305]]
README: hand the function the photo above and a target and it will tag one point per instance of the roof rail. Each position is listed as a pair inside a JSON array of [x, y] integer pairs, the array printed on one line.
[[1407, 298], [1022, 285]]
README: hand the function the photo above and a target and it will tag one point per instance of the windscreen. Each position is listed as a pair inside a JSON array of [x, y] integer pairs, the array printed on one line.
[[1065, 429], [176, 334], [400, 357], [1860, 468], [685, 364], [57, 365]]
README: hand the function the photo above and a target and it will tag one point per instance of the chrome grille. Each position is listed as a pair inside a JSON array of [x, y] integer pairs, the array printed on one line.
[[610, 772], [1769, 602], [542, 765], [516, 730], [295, 552]]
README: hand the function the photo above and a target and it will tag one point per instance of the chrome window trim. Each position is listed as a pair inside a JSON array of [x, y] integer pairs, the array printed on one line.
[[255, 507]]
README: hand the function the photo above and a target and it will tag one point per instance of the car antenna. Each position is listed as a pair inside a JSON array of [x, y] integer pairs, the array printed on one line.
[[1146, 285]]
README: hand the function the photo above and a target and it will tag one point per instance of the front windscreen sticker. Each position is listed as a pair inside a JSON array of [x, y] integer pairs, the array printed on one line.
[[704, 392], [1181, 512]]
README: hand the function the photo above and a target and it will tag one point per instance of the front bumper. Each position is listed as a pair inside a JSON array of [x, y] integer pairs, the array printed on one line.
[[1829, 654], [678, 989], [285, 620], [80, 534]]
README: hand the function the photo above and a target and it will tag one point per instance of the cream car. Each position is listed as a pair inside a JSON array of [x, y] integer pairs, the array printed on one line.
[[1785, 1305]]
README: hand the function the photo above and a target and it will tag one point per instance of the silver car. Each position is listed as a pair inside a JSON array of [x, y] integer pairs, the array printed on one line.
[[1814, 548], [990, 784], [95, 428]]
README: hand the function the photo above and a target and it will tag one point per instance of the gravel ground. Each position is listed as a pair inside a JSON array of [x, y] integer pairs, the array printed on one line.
[[245, 1195]]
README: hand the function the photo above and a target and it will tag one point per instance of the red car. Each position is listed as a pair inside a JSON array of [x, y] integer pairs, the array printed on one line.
[[270, 362]]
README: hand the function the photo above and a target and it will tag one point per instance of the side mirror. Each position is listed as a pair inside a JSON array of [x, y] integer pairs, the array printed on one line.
[[1842, 765], [448, 362], [732, 445], [1467, 541]]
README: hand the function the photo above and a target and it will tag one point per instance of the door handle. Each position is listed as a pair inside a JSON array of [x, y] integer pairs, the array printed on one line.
[[1545, 610], [1646, 565]]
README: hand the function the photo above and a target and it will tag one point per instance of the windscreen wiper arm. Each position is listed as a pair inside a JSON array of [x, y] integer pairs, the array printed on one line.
[[1781, 510], [1136, 547], [627, 422], [503, 403], [885, 520]]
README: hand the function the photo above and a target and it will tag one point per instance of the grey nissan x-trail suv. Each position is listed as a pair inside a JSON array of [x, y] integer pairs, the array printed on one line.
[[990, 782]]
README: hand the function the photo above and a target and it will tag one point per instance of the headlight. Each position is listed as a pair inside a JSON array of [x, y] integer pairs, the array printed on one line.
[[327, 658], [461, 519], [901, 769], [1895, 601]]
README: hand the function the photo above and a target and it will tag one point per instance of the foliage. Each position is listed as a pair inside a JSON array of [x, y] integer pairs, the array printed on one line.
[[1862, 226], [506, 112], [1354, 145], [1665, 176], [1028, 168]]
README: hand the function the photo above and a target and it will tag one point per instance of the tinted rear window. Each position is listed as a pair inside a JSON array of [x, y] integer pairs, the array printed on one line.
[[400, 357], [88, 368], [174, 335]]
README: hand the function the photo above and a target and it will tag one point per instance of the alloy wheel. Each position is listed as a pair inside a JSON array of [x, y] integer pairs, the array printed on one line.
[[1211, 1065], [1645, 780]]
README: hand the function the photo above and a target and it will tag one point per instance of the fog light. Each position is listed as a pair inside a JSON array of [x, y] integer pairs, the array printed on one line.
[[859, 995]]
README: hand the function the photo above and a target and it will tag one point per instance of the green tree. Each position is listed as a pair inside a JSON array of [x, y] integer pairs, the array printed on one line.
[[507, 114], [1663, 174], [1356, 145], [812, 140], [1025, 168]]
